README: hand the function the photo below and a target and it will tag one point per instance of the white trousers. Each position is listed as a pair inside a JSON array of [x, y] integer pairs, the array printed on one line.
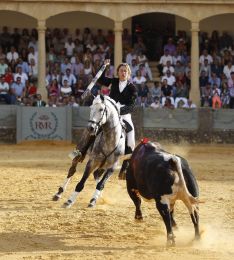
[[131, 134]]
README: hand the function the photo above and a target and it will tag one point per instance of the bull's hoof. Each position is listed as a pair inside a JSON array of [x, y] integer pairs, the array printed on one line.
[[92, 203], [138, 217], [122, 176], [67, 204]]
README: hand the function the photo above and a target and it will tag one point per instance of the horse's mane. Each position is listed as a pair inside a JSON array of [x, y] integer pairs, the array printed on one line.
[[102, 98]]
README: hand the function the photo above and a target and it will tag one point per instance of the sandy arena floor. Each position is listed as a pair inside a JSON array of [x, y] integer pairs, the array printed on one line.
[[32, 226]]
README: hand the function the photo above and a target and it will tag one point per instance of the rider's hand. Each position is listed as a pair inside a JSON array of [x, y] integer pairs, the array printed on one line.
[[107, 62]]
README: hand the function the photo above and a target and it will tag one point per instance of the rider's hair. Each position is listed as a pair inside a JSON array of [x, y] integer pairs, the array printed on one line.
[[127, 67]]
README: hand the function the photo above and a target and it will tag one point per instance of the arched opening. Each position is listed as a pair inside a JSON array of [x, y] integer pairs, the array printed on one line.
[[155, 28]]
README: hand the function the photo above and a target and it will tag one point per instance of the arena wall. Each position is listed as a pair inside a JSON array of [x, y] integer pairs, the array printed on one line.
[[203, 125]]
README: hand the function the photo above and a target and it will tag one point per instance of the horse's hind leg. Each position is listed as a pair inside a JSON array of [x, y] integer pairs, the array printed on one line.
[[195, 219], [63, 187], [100, 186], [133, 193]]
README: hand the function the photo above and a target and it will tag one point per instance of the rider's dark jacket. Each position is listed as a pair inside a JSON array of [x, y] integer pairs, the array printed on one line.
[[127, 97]]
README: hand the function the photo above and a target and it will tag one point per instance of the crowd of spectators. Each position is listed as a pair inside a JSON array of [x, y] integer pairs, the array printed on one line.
[[73, 59]]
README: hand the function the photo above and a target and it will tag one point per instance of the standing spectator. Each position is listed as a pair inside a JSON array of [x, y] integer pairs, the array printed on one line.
[[17, 91]]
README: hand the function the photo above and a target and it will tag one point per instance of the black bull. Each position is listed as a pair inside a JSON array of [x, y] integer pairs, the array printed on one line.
[[156, 174]]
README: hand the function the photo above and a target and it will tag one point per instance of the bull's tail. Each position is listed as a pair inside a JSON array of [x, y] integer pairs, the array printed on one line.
[[193, 200]]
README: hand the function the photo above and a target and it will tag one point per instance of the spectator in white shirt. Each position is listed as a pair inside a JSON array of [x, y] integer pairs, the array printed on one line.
[[12, 54]]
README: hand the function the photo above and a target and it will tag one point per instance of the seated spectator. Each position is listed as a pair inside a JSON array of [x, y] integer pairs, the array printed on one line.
[[3, 66], [139, 79], [131, 55], [72, 102], [216, 68], [166, 91], [228, 69], [39, 102], [179, 68], [23, 76], [170, 78], [214, 80], [134, 68], [12, 54], [69, 46], [32, 54], [143, 92], [70, 78], [205, 67], [156, 103], [65, 65], [168, 103], [225, 96], [163, 60], [175, 58], [168, 67], [206, 98], [77, 66], [181, 91], [52, 102], [216, 100], [203, 81], [155, 91], [31, 89], [24, 65], [65, 90], [145, 71], [9, 76], [231, 90], [170, 46], [205, 56], [33, 70], [79, 90], [53, 89], [189, 104], [4, 90]]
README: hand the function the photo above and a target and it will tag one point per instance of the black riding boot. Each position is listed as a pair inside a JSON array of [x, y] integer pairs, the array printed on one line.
[[125, 164]]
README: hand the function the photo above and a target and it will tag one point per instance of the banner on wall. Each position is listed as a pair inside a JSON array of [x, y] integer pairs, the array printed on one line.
[[44, 123]]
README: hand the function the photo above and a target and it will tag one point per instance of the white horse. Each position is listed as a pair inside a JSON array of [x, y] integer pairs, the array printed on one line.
[[105, 123]]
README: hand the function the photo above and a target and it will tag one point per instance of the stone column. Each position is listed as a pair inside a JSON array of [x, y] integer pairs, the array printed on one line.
[[118, 52], [195, 91], [42, 59]]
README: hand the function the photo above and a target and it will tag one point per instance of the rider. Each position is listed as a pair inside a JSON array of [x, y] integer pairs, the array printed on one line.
[[125, 94]]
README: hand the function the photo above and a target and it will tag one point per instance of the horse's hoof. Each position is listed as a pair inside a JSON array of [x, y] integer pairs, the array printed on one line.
[[171, 240], [67, 204], [92, 203], [56, 197]]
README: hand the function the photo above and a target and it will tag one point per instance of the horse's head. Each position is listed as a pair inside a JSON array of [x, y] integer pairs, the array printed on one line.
[[98, 114]]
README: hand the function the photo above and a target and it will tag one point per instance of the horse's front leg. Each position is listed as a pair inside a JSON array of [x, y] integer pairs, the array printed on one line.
[[100, 187], [63, 187], [79, 187]]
